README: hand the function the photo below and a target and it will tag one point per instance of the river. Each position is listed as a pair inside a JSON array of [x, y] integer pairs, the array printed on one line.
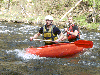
[[14, 38]]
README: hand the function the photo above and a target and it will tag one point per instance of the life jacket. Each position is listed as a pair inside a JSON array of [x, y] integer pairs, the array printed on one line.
[[48, 35], [70, 36]]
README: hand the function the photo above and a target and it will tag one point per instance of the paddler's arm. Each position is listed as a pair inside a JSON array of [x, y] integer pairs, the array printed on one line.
[[35, 36], [75, 33], [61, 36], [64, 38]]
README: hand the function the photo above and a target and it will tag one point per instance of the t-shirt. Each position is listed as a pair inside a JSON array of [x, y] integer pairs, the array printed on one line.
[[75, 28], [55, 30]]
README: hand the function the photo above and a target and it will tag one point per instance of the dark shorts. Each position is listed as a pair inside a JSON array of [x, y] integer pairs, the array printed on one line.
[[73, 40], [50, 43]]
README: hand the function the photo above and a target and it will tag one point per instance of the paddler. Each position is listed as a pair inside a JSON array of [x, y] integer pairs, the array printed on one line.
[[49, 32], [72, 31]]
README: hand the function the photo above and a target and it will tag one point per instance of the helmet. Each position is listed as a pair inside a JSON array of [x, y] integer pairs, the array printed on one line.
[[48, 17]]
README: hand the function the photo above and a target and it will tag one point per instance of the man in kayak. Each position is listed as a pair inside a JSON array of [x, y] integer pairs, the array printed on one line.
[[72, 31], [49, 32]]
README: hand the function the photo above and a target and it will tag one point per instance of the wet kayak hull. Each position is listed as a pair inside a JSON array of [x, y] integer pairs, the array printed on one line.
[[56, 50]]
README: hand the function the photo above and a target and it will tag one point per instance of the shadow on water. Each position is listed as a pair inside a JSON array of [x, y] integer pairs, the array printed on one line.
[[14, 38]]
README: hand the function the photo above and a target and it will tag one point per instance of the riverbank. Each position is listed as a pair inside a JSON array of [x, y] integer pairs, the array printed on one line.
[[58, 24], [34, 12]]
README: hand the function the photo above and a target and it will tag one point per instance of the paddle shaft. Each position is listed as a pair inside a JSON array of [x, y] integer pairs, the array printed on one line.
[[79, 43], [49, 40]]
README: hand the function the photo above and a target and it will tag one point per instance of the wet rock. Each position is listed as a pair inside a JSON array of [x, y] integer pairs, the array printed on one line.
[[3, 20]]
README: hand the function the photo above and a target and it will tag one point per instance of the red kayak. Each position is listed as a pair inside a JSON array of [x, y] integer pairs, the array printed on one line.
[[55, 50], [60, 50]]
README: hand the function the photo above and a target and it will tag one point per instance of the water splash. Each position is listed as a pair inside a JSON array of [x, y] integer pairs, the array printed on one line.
[[22, 54]]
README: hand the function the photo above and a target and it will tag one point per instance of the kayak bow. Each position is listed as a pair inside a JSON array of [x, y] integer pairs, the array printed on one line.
[[60, 50]]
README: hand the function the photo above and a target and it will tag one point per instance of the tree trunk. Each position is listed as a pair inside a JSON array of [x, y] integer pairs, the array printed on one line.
[[70, 10], [94, 12], [8, 4]]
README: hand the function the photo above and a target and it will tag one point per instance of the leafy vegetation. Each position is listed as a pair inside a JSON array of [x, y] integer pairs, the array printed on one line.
[[38, 9], [91, 2]]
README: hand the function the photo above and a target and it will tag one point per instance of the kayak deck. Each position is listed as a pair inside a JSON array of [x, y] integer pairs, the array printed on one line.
[[60, 50]]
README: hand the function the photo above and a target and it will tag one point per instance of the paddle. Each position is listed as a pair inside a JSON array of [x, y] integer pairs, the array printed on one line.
[[84, 43], [79, 43]]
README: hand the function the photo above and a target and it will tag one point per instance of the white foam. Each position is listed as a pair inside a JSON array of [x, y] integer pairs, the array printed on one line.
[[87, 53], [22, 54]]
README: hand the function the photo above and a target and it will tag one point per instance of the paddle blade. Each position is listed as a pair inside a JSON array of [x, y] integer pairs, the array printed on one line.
[[84, 43]]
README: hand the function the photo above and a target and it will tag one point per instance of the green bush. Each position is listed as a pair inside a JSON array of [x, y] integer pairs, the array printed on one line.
[[97, 3]]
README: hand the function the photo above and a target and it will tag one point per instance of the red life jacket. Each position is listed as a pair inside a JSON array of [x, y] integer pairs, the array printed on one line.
[[70, 36]]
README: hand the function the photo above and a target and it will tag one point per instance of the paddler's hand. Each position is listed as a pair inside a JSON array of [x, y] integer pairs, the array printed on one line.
[[65, 29], [64, 38], [56, 41], [31, 38]]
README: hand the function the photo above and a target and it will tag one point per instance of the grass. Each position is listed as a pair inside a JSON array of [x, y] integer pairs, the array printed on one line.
[[81, 20], [37, 10]]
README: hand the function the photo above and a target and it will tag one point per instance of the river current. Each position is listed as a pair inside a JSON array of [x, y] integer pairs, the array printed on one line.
[[14, 38]]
